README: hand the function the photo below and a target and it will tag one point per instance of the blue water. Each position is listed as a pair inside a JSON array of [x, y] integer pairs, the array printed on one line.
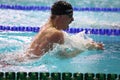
[[82, 19], [107, 61], [81, 3]]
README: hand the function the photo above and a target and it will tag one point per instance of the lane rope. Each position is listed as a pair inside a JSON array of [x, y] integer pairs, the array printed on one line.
[[70, 30], [44, 8]]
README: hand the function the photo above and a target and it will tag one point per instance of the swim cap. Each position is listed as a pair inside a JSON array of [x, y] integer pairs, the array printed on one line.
[[61, 8]]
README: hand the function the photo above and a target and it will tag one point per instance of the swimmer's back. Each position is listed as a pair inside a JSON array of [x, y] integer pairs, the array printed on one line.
[[43, 41]]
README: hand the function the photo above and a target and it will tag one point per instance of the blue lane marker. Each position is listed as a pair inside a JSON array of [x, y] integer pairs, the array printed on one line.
[[44, 8]]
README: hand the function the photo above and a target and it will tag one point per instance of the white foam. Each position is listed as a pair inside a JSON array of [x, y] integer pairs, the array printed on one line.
[[73, 45], [78, 40]]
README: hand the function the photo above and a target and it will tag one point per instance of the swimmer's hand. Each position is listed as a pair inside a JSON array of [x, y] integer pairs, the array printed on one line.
[[100, 46], [95, 45]]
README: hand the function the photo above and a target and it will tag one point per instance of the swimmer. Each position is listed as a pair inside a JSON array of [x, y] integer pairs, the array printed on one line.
[[52, 31]]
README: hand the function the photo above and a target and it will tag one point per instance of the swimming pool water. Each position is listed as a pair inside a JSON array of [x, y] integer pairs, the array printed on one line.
[[82, 18], [12, 43], [81, 3], [106, 61]]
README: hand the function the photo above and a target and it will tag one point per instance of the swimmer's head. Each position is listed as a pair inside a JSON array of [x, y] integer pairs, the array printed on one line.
[[61, 8], [61, 15]]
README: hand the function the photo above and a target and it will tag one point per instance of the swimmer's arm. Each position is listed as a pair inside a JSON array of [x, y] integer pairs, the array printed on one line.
[[74, 53], [90, 46], [71, 53]]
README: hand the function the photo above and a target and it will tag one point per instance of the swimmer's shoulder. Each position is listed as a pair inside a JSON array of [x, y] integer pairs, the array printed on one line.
[[57, 36]]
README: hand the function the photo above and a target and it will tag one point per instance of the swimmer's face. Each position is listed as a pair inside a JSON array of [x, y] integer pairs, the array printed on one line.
[[69, 19], [65, 20]]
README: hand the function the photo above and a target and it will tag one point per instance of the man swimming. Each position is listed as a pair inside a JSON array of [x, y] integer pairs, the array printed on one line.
[[52, 31]]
